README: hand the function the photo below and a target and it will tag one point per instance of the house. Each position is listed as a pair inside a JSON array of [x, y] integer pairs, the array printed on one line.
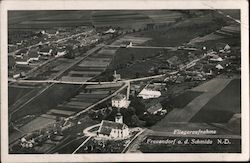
[[45, 51], [147, 93], [155, 108], [112, 130], [109, 31], [61, 52], [22, 52], [50, 32], [173, 61], [33, 55], [120, 101], [219, 67], [22, 60], [227, 47], [180, 79], [216, 58]]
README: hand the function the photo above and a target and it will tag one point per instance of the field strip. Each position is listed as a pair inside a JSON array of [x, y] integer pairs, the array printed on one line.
[[185, 114], [85, 141]]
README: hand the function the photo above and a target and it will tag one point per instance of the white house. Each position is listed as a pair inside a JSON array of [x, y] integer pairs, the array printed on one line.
[[22, 60], [60, 52], [219, 67], [33, 55], [147, 94], [110, 31], [113, 130], [45, 51], [120, 101], [216, 59]]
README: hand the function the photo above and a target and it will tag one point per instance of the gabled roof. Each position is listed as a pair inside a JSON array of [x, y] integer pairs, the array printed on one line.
[[33, 53], [21, 59], [154, 108], [45, 49], [107, 126], [173, 60], [119, 97]]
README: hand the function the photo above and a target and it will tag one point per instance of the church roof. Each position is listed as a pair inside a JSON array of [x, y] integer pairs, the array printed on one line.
[[107, 126]]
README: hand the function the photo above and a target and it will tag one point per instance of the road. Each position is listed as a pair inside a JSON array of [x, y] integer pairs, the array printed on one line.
[[132, 142], [145, 47], [90, 83], [85, 141]]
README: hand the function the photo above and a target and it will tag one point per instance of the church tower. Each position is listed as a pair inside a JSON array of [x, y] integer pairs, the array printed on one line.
[[118, 117]]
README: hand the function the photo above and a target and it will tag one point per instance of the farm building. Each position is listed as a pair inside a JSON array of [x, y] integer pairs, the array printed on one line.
[[113, 130], [120, 101], [155, 108], [147, 94]]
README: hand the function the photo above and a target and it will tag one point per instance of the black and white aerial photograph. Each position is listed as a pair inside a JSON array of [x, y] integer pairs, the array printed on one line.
[[99, 83], [124, 81]]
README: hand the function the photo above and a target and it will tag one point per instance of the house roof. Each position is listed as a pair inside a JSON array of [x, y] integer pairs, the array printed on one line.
[[154, 108], [219, 66], [51, 31], [107, 126], [173, 60], [180, 78], [45, 49], [33, 53], [22, 59], [24, 50], [119, 97]]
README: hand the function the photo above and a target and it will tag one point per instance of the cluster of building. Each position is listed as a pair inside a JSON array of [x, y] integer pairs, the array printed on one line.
[[52, 43]]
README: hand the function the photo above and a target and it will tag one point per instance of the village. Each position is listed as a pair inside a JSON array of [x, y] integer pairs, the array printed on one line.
[[103, 103]]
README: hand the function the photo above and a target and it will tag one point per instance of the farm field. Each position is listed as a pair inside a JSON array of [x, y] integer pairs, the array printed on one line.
[[71, 146], [22, 20], [38, 123], [210, 89], [220, 109], [183, 99], [181, 32], [15, 93]]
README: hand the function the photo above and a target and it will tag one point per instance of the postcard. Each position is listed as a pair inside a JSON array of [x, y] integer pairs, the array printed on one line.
[[106, 81]]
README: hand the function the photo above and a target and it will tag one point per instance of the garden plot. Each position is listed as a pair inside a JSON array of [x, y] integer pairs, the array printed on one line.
[[36, 124]]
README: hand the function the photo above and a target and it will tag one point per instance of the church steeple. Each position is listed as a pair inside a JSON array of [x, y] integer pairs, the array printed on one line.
[[118, 117]]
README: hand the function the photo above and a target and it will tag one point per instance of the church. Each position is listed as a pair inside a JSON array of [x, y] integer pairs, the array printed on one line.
[[113, 130]]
